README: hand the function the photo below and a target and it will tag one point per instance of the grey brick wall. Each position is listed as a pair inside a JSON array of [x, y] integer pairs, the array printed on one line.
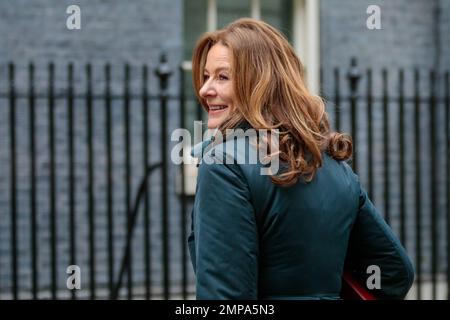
[[111, 31], [407, 38]]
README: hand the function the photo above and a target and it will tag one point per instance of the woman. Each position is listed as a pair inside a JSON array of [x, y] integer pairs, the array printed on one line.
[[288, 235]]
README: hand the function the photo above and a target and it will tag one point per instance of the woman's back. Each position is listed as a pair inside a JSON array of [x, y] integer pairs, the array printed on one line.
[[254, 239], [304, 231]]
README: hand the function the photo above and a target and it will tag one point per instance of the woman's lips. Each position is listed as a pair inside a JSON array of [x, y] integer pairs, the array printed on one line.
[[217, 109]]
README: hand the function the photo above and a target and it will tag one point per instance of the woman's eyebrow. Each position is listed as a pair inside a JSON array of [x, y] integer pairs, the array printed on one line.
[[217, 69]]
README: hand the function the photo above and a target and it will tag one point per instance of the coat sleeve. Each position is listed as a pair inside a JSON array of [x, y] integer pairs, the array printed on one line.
[[224, 242], [373, 243]]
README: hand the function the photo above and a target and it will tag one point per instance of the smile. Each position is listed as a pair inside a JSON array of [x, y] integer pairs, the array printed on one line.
[[218, 107]]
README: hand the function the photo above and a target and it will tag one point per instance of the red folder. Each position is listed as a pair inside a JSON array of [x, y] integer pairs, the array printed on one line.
[[353, 290]]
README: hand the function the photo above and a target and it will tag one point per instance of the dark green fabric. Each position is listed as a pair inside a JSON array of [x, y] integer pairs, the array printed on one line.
[[251, 239]]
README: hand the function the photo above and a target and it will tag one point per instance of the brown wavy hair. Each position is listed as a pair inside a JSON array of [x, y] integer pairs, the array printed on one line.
[[271, 94]]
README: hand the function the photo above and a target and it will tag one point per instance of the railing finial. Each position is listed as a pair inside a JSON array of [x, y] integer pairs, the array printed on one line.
[[163, 72]]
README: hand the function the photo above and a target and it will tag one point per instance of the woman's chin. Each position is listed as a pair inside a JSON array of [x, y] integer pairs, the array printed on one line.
[[214, 123]]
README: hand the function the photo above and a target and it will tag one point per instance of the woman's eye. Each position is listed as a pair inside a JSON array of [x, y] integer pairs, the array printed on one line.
[[205, 77], [223, 77]]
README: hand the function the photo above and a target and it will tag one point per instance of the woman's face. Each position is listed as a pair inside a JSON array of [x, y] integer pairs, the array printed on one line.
[[217, 89]]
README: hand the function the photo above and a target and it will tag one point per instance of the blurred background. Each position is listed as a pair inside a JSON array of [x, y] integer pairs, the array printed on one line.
[[89, 97]]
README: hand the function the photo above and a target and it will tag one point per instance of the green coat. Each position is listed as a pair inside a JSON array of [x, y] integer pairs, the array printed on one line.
[[251, 239]]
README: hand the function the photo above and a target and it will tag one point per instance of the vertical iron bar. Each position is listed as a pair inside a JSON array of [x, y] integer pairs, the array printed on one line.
[[183, 193], [12, 133], [165, 220], [53, 236], [199, 112], [109, 170], [163, 74], [354, 131], [447, 132], [337, 99], [321, 93], [90, 159], [401, 134], [33, 206], [434, 236], [145, 139], [370, 133], [353, 77], [418, 204], [126, 110], [386, 146], [70, 139]]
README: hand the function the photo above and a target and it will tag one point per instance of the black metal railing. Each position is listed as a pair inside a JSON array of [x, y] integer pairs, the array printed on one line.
[[130, 229], [52, 100], [429, 148]]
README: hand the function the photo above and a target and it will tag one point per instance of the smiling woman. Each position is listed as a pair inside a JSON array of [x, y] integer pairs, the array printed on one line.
[[287, 235], [217, 90]]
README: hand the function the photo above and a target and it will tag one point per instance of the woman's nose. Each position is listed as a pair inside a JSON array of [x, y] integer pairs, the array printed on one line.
[[207, 90]]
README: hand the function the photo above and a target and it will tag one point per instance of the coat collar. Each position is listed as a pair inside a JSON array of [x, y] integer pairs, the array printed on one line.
[[199, 149]]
